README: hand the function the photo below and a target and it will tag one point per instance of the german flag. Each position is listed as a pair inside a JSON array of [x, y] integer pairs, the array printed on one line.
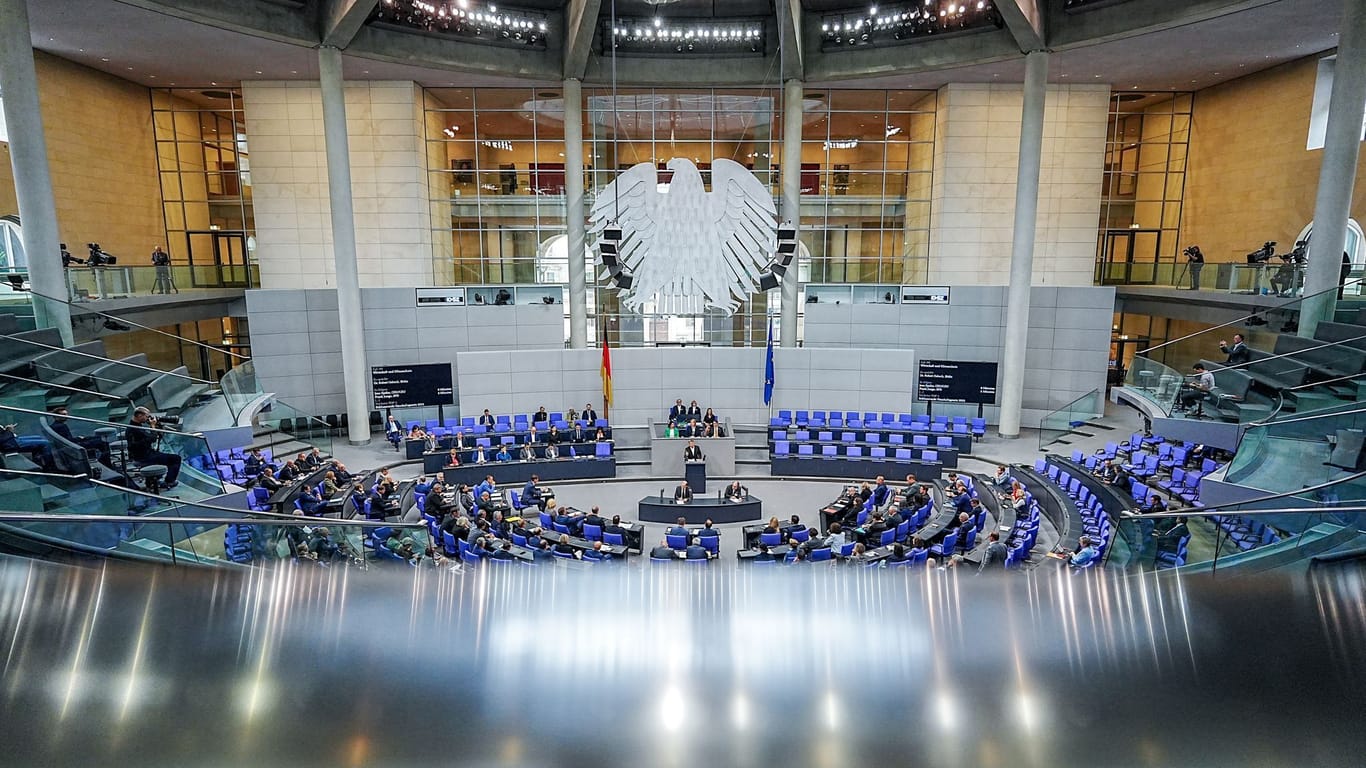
[[606, 377]]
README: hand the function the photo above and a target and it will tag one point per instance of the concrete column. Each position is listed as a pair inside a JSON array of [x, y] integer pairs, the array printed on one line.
[[354, 366], [32, 180], [1022, 243], [1341, 147], [573, 214], [792, 200]]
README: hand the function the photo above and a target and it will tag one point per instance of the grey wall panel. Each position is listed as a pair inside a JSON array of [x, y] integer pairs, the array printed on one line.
[[317, 299]]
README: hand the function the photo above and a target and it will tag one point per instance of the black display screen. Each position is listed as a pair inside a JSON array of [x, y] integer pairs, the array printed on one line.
[[405, 386], [953, 381]]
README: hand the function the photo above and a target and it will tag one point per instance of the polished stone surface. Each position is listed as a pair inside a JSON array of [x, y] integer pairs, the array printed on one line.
[[541, 667]]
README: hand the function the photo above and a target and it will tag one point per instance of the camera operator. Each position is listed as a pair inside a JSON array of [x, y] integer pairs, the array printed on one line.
[[1258, 260], [68, 259], [1195, 261], [162, 261], [142, 446], [1283, 282]]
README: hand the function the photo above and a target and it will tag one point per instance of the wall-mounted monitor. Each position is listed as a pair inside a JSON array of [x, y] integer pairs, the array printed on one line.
[[955, 381], [441, 297], [409, 386], [924, 294]]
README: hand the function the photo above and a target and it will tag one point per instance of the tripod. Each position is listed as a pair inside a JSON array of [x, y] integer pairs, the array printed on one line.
[[1181, 278]]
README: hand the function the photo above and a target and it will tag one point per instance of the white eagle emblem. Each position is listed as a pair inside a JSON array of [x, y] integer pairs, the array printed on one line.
[[685, 242]]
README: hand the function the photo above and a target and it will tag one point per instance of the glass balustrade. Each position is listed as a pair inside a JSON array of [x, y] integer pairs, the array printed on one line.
[[1067, 418]]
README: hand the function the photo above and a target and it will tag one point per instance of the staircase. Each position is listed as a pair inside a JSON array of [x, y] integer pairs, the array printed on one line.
[[751, 450]]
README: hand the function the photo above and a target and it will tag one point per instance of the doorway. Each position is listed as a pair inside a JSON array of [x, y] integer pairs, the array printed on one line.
[[217, 258], [1129, 257]]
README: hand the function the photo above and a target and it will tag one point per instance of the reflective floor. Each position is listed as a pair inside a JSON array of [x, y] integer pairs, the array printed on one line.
[[305, 666]]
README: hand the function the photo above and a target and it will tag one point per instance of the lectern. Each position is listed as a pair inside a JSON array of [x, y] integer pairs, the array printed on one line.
[[695, 472]]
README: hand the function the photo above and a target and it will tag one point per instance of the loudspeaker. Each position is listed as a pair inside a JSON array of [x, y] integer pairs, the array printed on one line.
[[787, 246], [623, 280], [787, 233], [611, 233], [607, 246], [609, 260], [768, 281], [778, 268]]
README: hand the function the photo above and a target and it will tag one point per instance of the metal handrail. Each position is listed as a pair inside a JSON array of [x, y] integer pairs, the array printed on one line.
[[79, 353]]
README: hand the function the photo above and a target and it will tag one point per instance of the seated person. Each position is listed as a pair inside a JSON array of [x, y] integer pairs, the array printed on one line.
[[392, 431], [678, 412], [597, 553], [1106, 471], [459, 443], [309, 501], [694, 413], [503, 453], [693, 429], [836, 540], [682, 494], [692, 452], [564, 547], [267, 479], [457, 526], [671, 430], [1002, 477], [540, 416], [898, 555], [288, 473], [707, 531], [342, 475], [465, 496], [554, 437], [764, 553], [453, 458], [1170, 539], [62, 427], [571, 415], [1155, 505], [330, 486], [737, 492], [795, 554], [528, 452], [589, 414], [1238, 353], [326, 549], [552, 451], [872, 530], [696, 552], [486, 419], [960, 499], [680, 528], [1085, 554], [882, 493], [662, 552], [1196, 390], [304, 461], [594, 517], [601, 436], [542, 552], [531, 493], [615, 527], [577, 434], [142, 441], [865, 492], [713, 430], [403, 546], [503, 552], [533, 435], [1016, 498], [254, 462], [566, 517], [480, 457], [710, 417]]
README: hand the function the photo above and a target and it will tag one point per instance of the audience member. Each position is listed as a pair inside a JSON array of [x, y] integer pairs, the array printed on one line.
[[995, 553], [1238, 353]]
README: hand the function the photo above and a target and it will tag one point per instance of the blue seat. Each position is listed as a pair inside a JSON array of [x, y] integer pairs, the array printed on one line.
[[829, 451], [847, 437], [802, 535], [516, 500], [592, 532], [615, 539], [676, 541], [448, 540], [896, 438], [920, 440], [872, 437], [945, 547], [821, 554], [877, 452], [854, 452], [519, 539], [710, 543], [825, 437], [558, 528], [888, 537], [847, 549], [805, 449], [781, 448], [978, 428], [943, 442], [779, 434], [903, 454], [602, 450], [786, 416], [929, 455], [771, 539]]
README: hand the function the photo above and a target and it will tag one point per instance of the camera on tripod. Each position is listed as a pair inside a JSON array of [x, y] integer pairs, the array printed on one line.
[[1299, 255], [1192, 253], [98, 258], [1262, 255]]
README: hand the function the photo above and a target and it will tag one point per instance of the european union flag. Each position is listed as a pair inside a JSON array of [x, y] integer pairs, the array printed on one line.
[[768, 366]]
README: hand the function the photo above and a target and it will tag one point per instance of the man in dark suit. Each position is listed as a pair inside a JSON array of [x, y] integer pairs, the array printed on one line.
[[736, 492], [1238, 353], [683, 494], [996, 552], [882, 492], [486, 419], [594, 518], [680, 528], [598, 553], [589, 415], [662, 552], [764, 553], [1170, 539], [678, 413], [540, 415], [694, 413], [459, 442], [63, 428], [503, 553], [577, 435], [615, 527], [571, 521], [697, 552], [692, 452], [531, 493], [542, 553]]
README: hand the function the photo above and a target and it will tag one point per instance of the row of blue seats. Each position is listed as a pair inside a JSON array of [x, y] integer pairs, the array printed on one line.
[[503, 423], [895, 439], [976, 429], [783, 449], [1095, 518], [869, 418]]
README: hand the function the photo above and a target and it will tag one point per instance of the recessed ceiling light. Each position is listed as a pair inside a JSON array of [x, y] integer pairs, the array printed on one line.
[[82, 50], [130, 69], [258, 71], [103, 59]]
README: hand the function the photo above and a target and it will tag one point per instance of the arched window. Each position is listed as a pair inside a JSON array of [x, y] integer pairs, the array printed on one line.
[[11, 245], [1355, 245]]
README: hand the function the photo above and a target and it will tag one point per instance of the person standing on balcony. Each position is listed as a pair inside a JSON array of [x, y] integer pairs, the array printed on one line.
[[161, 260], [1238, 353], [1195, 261]]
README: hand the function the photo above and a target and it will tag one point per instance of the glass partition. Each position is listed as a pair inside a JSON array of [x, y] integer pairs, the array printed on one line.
[[1076, 413], [100, 449], [240, 387], [1262, 368], [117, 281]]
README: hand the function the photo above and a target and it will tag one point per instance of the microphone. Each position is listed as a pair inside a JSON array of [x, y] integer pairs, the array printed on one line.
[[661, 494]]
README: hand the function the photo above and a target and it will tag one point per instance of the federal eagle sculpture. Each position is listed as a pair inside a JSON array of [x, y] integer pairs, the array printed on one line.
[[685, 243]]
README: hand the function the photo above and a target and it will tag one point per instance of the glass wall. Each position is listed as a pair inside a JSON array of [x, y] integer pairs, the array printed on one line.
[[1143, 188], [206, 183], [496, 179]]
